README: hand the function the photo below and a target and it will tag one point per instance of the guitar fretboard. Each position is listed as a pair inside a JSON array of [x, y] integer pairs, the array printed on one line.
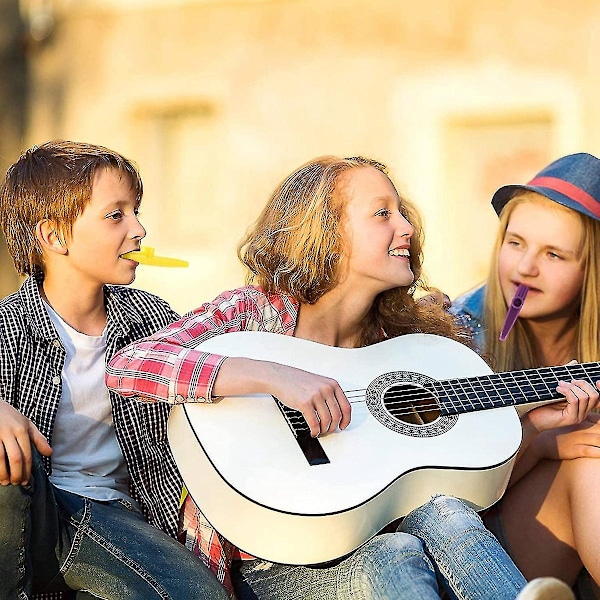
[[419, 403], [456, 396]]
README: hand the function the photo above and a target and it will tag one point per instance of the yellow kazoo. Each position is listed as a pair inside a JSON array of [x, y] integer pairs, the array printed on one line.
[[146, 256]]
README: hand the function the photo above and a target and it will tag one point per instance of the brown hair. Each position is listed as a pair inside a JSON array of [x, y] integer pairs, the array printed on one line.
[[518, 351], [297, 243], [52, 181]]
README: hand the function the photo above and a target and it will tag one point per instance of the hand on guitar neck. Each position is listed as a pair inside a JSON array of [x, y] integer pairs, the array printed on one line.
[[580, 397], [560, 430]]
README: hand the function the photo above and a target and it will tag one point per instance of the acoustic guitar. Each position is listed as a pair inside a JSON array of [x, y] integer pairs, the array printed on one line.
[[428, 417]]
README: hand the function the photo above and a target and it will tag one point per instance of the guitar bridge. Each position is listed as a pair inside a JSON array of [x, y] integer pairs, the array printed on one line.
[[310, 446]]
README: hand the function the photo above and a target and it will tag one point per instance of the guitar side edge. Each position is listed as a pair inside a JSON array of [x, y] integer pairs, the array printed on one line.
[[313, 539]]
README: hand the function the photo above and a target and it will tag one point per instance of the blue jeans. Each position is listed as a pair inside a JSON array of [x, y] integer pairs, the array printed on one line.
[[52, 540], [442, 546]]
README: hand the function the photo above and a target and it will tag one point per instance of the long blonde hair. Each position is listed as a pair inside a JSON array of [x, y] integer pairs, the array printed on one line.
[[296, 247], [518, 350]]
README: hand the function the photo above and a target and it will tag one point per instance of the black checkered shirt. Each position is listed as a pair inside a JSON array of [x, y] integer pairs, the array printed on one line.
[[31, 362]]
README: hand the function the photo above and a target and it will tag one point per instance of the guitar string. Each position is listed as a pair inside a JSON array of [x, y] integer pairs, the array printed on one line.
[[415, 402], [424, 392], [395, 407], [487, 382], [497, 387], [397, 411], [410, 410], [486, 386]]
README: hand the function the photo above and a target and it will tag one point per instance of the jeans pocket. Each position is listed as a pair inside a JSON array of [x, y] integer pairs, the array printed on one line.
[[127, 505], [130, 506]]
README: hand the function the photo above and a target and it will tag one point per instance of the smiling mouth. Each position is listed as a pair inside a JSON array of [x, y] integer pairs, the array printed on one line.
[[399, 252]]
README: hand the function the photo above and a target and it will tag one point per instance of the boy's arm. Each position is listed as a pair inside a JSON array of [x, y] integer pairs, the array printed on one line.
[[17, 433]]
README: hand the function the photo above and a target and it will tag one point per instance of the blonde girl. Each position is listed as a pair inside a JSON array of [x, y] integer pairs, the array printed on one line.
[[549, 240]]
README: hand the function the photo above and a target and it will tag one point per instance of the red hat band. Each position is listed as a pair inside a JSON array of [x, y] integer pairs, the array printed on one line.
[[571, 191]]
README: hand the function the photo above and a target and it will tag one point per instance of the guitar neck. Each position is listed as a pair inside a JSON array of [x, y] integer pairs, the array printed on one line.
[[513, 388]]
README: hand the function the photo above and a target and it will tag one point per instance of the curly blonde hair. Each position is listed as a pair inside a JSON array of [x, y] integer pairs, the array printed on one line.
[[297, 244]]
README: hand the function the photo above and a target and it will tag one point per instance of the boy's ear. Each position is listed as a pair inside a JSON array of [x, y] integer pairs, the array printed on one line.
[[49, 238]]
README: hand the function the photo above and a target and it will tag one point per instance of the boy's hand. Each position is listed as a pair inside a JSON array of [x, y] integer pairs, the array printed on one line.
[[16, 435]]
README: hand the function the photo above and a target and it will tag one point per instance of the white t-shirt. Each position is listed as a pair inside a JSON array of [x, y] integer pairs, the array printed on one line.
[[86, 458]]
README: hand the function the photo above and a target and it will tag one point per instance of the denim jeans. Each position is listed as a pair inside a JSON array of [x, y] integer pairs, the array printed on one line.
[[52, 540], [469, 560], [442, 546]]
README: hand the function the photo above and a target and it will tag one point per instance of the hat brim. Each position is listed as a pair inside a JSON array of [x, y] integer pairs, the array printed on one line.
[[506, 192]]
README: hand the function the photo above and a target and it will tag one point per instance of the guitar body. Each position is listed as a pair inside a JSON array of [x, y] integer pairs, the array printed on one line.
[[244, 468]]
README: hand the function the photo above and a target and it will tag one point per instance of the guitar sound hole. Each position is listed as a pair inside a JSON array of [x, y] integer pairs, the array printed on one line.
[[411, 404]]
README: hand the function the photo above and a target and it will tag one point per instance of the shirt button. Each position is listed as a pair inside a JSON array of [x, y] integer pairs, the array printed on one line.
[[56, 343], [56, 379]]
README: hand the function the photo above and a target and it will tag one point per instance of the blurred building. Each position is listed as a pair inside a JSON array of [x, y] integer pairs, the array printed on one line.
[[217, 100], [13, 101]]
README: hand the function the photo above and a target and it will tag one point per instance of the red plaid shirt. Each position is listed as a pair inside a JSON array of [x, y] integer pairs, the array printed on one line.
[[215, 551], [166, 366]]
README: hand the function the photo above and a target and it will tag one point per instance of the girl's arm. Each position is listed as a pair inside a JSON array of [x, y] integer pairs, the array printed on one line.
[[167, 366], [546, 429], [320, 399]]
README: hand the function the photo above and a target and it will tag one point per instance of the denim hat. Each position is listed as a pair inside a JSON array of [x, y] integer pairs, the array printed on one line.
[[573, 181]]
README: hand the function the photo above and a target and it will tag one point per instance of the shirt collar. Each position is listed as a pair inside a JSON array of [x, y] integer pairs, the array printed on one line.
[[119, 311], [120, 315], [29, 294]]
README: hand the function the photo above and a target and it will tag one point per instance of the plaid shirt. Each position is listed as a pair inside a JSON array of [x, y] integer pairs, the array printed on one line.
[[31, 362], [166, 366]]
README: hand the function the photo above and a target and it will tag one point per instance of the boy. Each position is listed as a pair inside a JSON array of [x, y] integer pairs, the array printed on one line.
[[79, 467]]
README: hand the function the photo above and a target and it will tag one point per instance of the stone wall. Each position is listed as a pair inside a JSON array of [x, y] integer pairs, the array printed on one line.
[[13, 100], [218, 100]]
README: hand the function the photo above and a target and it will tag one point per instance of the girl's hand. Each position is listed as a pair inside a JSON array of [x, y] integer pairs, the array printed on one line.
[[581, 440], [320, 399], [580, 396]]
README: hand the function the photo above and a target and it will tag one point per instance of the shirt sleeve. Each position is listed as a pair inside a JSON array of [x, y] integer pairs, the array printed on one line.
[[7, 368], [167, 366]]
